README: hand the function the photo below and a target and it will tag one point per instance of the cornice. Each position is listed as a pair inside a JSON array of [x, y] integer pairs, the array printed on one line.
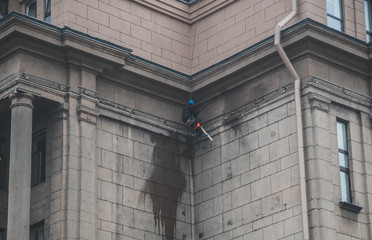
[[187, 13], [305, 38], [18, 24]]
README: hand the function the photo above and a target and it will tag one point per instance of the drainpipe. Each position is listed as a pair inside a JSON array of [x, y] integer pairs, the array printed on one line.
[[300, 138]]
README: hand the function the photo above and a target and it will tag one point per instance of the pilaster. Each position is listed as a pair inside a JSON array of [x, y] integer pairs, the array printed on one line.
[[80, 130], [320, 170], [367, 151]]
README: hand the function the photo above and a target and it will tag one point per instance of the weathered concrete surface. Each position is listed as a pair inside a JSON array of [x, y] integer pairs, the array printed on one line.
[[20, 167]]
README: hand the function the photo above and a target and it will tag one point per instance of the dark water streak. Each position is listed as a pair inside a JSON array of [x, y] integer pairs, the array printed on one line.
[[167, 181]]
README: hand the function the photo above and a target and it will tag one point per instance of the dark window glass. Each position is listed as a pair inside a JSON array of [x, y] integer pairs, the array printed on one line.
[[31, 9], [344, 162], [368, 19], [47, 11], [38, 159], [37, 231], [3, 8], [2, 234], [334, 14], [3, 166]]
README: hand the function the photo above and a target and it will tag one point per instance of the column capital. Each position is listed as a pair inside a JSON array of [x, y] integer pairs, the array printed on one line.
[[21, 99]]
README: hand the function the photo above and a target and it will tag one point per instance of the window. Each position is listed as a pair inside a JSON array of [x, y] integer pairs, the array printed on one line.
[[187, 1], [47, 16], [37, 231], [3, 8], [334, 14], [31, 8], [38, 159], [368, 13], [344, 162]]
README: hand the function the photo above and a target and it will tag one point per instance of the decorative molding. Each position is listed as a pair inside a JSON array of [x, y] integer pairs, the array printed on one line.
[[18, 99], [87, 114], [186, 13], [319, 102], [60, 112]]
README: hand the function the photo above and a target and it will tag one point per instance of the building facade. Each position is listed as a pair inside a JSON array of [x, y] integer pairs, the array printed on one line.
[[92, 145]]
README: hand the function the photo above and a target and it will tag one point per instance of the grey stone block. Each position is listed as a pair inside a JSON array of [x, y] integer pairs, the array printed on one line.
[[211, 159], [268, 135], [123, 215], [281, 180], [249, 143], [104, 210], [270, 168], [252, 211], [104, 140], [213, 226], [287, 126], [277, 114], [292, 225], [259, 157], [257, 123], [212, 192], [232, 219], [250, 176], [204, 211], [241, 196], [261, 188], [230, 151], [123, 146]]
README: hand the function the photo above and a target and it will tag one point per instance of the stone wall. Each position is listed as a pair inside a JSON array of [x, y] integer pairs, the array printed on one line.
[[156, 35], [327, 219], [246, 181], [151, 34], [143, 183]]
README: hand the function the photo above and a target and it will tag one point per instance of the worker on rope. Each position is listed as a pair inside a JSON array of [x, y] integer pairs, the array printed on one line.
[[188, 114], [189, 119]]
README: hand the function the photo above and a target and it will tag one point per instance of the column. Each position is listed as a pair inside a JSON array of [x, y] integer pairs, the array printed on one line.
[[20, 166]]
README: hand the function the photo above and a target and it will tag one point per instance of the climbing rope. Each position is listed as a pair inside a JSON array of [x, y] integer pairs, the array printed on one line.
[[193, 48], [194, 135]]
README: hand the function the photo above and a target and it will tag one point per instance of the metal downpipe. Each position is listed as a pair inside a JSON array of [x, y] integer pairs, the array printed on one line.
[[300, 138]]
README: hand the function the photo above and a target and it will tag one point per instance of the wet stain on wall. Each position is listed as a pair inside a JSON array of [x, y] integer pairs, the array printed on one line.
[[166, 191]]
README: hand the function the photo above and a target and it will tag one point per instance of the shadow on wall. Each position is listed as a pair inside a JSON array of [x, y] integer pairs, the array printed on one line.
[[166, 183]]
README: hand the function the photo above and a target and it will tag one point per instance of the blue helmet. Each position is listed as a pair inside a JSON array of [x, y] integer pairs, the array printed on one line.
[[191, 102]]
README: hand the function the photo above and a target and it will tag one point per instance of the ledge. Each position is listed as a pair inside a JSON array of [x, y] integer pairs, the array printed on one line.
[[350, 207]]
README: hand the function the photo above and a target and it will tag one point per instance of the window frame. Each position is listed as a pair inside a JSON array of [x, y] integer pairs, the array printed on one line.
[[339, 19], [368, 19], [37, 138], [38, 229], [28, 6], [345, 203], [48, 11], [345, 152], [5, 12]]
